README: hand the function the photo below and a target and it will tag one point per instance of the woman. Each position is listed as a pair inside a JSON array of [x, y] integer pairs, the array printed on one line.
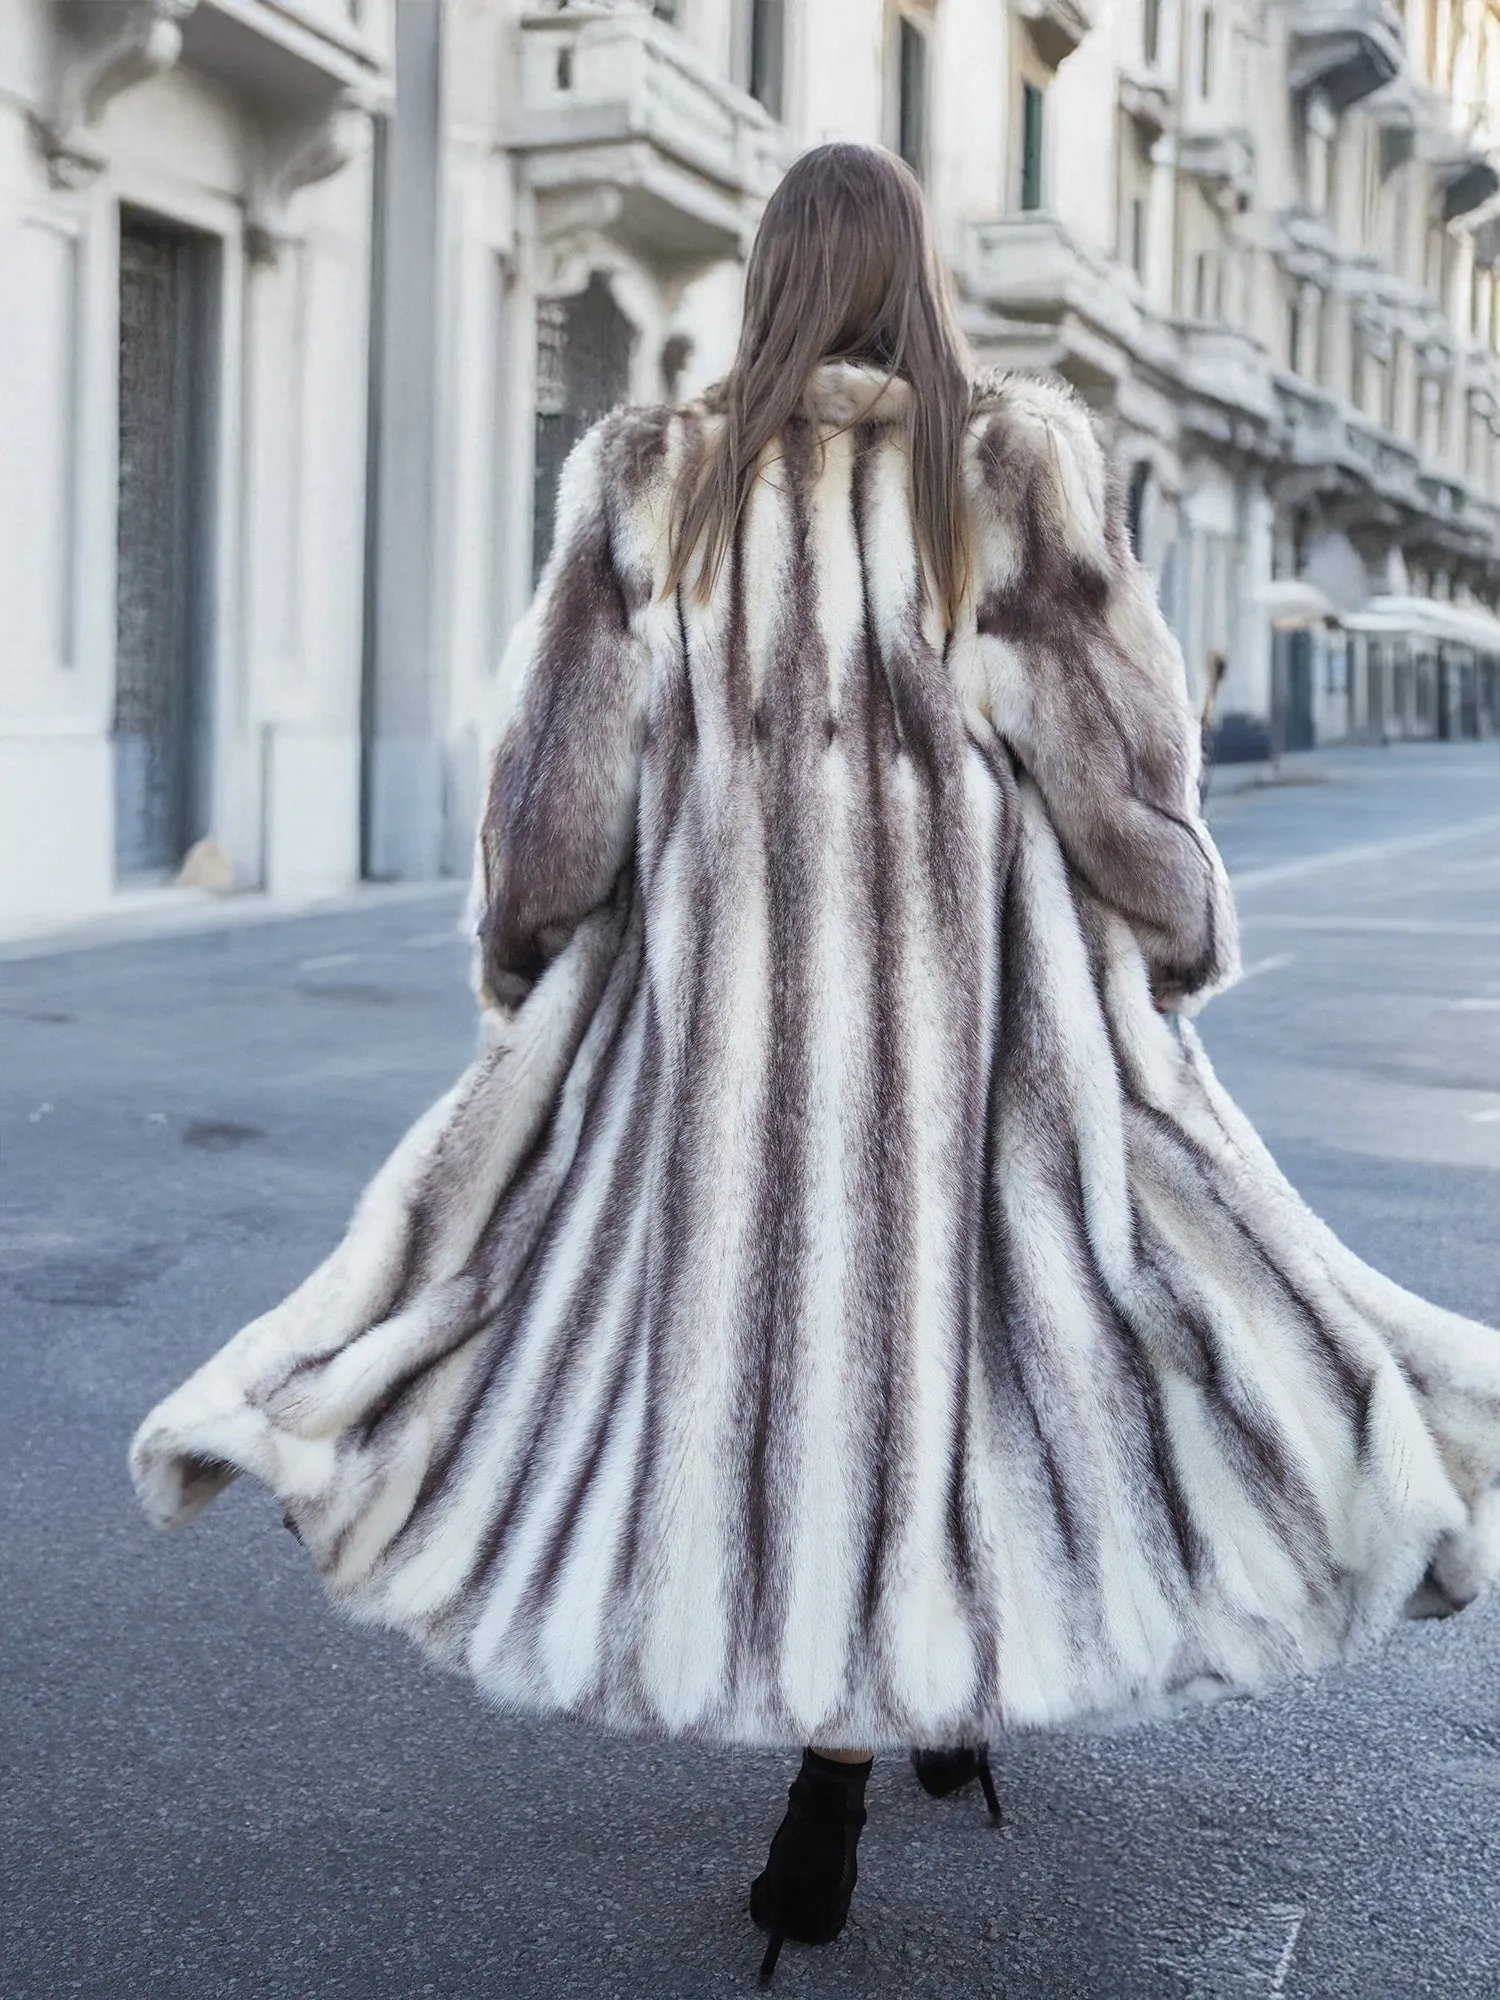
[[837, 1307]]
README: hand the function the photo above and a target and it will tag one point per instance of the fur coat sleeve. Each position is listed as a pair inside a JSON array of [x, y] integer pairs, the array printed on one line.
[[559, 816], [1085, 683]]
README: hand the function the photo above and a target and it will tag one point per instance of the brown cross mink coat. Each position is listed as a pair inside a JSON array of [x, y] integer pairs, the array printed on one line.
[[836, 1306]]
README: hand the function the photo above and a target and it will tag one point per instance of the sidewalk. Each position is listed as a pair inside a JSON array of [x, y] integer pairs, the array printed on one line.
[[1332, 763], [140, 914], [173, 912], [1298, 767]]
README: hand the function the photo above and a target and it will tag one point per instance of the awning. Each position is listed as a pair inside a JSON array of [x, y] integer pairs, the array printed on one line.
[[1292, 604], [1429, 618]]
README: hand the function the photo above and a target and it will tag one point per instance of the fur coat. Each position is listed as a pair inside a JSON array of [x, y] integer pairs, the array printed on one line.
[[838, 1304]]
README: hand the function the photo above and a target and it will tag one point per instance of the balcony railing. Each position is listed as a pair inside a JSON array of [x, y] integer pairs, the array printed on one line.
[[1147, 97], [286, 56], [612, 98], [1030, 266], [1227, 366], [1221, 156]]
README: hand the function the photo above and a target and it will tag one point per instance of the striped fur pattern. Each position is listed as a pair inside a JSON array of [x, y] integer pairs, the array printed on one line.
[[837, 1305]]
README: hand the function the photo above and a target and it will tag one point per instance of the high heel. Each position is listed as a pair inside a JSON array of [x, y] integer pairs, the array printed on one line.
[[806, 1886], [940, 1773]]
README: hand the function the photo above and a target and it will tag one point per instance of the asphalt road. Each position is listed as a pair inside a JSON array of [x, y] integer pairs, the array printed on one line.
[[211, 1786]]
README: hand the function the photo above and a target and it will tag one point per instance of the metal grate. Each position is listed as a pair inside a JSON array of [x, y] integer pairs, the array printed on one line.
[[583, 371], [151, 724]]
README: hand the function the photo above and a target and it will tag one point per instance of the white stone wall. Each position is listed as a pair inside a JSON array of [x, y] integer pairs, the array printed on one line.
[[285, 496], [357, 646]]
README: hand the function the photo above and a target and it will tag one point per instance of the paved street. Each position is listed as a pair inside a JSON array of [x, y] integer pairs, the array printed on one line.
[[209, 1785]]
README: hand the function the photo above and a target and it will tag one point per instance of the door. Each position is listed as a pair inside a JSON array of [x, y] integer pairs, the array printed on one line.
[[583, 370], [161, 593], [1299, 691]]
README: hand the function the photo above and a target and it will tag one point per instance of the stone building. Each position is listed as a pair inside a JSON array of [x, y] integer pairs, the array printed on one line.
[[303, 301], [185, 225], [1275, 281], [1259, 235]]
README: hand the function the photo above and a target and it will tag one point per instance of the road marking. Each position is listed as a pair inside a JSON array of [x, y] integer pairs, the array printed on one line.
[[1377, 926], [1274, 963], [430, 940], [1289, 1949], [1372, 850], [327, 960], [1250, 1959], [1248, 1954]]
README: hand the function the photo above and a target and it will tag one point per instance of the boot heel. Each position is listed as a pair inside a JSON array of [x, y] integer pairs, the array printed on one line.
[[773, 1952], [941, 1773], [806, 1886], [987, 1784]]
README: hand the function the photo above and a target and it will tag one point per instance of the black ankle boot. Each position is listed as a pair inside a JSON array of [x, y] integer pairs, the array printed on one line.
[[943, 1772], [808, 1880]]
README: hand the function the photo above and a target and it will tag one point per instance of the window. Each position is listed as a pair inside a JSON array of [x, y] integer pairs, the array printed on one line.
[[912, 98], [665, 10], [582, 370], [1480, 304], [766, 56], [1151, 31], [1134, 173], [1138, 236], [1398, 209], [1319, 130], [1206, 54], [1203, 279], [1135, 505], [1390, 414], [1303, 331], [1031, 145]]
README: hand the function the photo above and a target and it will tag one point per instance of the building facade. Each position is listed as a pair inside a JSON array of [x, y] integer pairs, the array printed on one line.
[[1260, 236], [185, 229], [304, 301]]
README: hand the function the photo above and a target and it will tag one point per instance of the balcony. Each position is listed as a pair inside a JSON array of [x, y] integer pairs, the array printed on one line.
[[621, 125], [1380, 462], [1304, 246], [289, 59], [1344, 49], [1057, 304], [1227, 376], [1466, 181], [1147, 98], [1056, 27], [307, 71], [1310, 427], [1222, 157]]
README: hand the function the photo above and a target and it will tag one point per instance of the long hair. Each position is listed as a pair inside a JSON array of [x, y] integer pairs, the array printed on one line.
[[843, 268]]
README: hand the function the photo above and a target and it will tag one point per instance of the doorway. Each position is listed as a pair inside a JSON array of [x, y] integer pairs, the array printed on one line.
[[163, 544], [1300, 733], [583, 370]]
